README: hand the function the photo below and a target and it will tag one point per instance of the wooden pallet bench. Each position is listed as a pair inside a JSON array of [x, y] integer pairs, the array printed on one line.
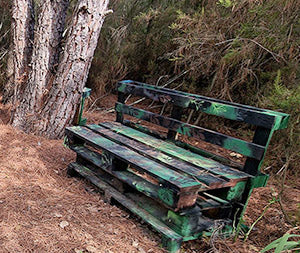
[[179, 189]]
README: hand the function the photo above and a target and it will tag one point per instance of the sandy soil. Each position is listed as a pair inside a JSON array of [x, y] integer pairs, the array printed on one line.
[[43, 210]]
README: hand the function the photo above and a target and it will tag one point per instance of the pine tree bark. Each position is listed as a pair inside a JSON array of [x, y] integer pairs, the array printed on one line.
[[45, 56], [22, 32], [58, 110]]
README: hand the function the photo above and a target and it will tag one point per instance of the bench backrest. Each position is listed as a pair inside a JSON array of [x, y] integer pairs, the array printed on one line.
[[266, 121]]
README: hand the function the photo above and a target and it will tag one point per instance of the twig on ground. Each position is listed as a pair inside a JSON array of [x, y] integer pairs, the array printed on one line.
[[284, 169], [126, 100], [95, 101]]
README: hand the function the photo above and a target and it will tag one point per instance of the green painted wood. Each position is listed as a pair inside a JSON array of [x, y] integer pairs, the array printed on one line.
[[260, 180], [179, 153], [126, 176], [184, 145], [137, 161], [175, 114], [262, 136], [185, 224], [240, 146], [127, 203], [220, 200], [119, 115], [208, 154], [214, 207], [207, 204], [235, 193], [202, 175], [252, 115], [144, 129]]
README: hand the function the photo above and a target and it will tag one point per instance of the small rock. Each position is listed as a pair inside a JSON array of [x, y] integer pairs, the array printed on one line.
[[57, 215], [135, 244], [64, 224], [91, 249], [78, 250], [88, 236], [114, 214], [141, 250]]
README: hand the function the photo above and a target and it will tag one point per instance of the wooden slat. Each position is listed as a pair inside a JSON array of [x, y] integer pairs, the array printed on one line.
[[208, 154], [127, 203], [177, 152], [176, 114], [240, 146], [137, 161], [202, 175], [208, 98], [262, 136], [187, 224], [256, 116], [119, 115], [144, 129], [185, 145], [171, 198], [130, 178]]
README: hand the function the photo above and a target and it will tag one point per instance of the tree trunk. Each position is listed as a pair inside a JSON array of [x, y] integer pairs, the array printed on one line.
[[62, 101], [45, 56], [22, 33]]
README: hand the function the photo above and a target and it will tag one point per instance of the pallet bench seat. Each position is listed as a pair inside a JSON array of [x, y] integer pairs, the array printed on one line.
[[179, 189]]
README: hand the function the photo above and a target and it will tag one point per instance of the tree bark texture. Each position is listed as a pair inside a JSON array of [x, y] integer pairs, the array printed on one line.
[[22, 32], [58, 110], [45, 57]]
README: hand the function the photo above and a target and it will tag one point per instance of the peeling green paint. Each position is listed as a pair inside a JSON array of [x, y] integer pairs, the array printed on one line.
[[166, 196], [183, 129], [259, 181], [252, 115], [237, 146], [182, 223], [122, 87], [236, 192], [175, 151], [153, 168]]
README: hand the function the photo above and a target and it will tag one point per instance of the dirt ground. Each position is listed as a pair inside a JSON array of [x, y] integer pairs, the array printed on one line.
[[43, 210]]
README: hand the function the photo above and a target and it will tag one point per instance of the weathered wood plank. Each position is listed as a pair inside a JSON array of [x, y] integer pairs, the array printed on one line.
[[209, 155], [137, 161], [175, 114], [237, 145], [171, 198], [130, 178], [262, 136], [127, 203], [144, 129], [251, 115], [119, 115], [212, 181], [177, 152], [208, 98], [187, 224]]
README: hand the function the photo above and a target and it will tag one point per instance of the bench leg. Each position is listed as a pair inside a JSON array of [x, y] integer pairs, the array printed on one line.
[[173, 246]]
